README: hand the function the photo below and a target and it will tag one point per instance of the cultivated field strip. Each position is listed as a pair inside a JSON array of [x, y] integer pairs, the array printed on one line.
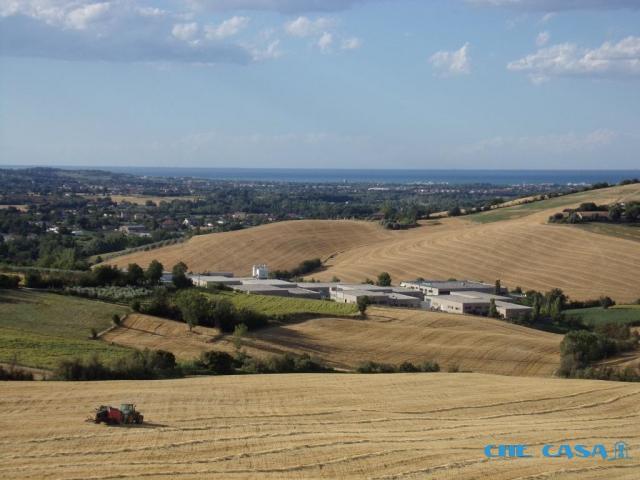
[[520, 250], [317, 426], [389, 335]]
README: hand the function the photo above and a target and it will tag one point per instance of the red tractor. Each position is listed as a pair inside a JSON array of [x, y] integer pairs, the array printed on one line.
[[125, 415]]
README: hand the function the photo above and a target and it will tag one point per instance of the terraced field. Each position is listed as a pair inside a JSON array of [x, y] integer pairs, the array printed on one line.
[[388, 335], [514, 244], [409, 426]]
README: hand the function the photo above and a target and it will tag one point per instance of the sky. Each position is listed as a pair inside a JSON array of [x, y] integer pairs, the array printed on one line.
[[451, 84]]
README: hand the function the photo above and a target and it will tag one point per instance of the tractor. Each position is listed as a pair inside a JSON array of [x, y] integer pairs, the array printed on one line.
[[125, 415]]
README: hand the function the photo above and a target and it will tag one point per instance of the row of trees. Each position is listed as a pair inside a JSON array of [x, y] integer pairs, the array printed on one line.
[[197, 308]]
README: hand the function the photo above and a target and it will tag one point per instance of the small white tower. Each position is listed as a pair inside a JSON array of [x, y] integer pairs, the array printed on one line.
[[260, 272]]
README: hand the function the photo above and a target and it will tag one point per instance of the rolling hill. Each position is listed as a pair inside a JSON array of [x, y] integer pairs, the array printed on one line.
[[282, 245], [514, 244], [382, 427], [388, 335]]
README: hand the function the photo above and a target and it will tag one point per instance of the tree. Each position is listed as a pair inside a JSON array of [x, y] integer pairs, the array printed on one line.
[[455, 212], [195, 307], [335, 279], [135, 274], [498, 288], [384, 280], [224, 315], [493, 310], [238, 333], [179, 274], [154, 272], [363, 303], [606, 302]]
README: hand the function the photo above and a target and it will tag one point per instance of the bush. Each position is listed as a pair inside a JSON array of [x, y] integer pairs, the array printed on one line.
[[13, 373], [430, 366], [408, 367], [375, 367], [9, 281], [287, 363], [116, 319], [144, 365], [219, 363]]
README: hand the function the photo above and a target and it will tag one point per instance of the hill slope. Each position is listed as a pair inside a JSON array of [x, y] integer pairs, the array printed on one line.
[[412, 426], [39, 329], [282, 245], [514, 244], [389, 335]]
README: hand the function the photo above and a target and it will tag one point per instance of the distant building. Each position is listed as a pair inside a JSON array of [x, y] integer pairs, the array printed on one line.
[[476, 303], [260, 272], [437, 287], [134, 229]]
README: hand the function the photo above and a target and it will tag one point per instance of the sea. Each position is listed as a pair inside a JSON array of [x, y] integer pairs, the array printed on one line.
[[399, 176]]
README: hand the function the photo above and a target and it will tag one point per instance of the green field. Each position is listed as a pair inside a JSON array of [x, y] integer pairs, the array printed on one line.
[[273, 306], [40, 329], [626, 231], [596, 315], [518, 211]]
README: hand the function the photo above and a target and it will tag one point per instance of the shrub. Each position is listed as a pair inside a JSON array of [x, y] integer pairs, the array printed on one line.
[[9, 281], [430, 366], [375, 367], [13, 373], [408, 367], [453, 368], [116, 319], [219, 363], [144, 365]]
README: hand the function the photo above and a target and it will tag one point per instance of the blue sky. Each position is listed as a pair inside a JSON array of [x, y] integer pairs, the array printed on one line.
[[321, 83]]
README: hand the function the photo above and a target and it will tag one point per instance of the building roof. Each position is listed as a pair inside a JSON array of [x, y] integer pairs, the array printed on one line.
[[483, 295], [362, 287], [449, 284], [257, 288], [267, 281], [215, 279], [459, 299], [512, 306]]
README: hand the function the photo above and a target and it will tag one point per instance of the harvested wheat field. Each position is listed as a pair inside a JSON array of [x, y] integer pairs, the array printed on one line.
[[410, 426], [475, 344], [282, 245], [515, 244], [144, 331]]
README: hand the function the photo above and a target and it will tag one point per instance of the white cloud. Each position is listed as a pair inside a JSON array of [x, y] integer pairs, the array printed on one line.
[[457, 62], [557, 5], [228, 28], [270, 52], [543, 38], [282, 6], [352, 43], [544, 144], [185, 31], [567, 59], [325, 42], [547, 17], [81, 17], [305, 27]]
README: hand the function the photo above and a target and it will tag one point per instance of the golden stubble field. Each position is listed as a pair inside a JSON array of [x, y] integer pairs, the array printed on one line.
[[521, 250], [333, 426], [388, 335]]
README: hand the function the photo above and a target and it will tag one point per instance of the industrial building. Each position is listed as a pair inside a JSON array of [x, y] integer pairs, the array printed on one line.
[[476, 303], [448, 287]]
